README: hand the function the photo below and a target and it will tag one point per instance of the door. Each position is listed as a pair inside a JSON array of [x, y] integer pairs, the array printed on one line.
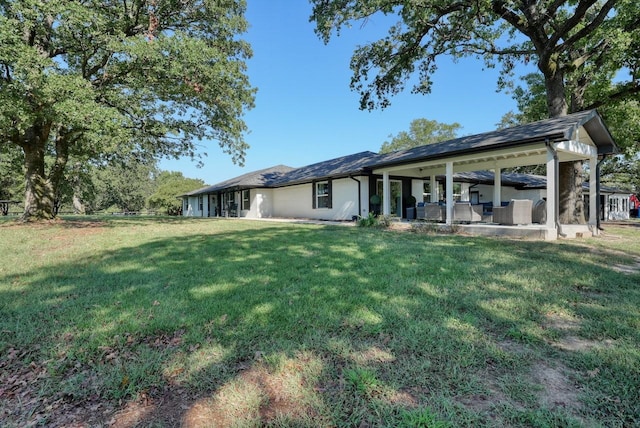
[[396, 196]]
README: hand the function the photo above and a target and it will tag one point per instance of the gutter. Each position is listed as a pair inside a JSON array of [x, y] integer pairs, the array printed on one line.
[[549, 145], [359, 195]]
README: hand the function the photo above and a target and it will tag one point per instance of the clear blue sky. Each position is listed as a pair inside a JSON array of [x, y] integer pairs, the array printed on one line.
[[305, 111]]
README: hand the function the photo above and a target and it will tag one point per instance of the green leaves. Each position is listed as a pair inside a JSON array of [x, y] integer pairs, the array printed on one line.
[[561, 37], [95, 75], [421, 132]]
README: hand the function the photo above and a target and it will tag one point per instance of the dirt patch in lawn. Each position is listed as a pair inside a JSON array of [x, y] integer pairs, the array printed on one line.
[[557, 389]]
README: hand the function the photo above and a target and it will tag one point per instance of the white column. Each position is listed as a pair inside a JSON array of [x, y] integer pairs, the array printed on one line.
[[386, 194], [449, 201], [552, 189], [593, 197], [497, 187], [434, 188]]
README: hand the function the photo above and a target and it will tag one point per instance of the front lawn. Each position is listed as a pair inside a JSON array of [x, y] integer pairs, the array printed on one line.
[[203, 322]]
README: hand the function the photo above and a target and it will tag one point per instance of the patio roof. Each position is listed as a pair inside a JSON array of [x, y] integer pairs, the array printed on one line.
[[519, 145]]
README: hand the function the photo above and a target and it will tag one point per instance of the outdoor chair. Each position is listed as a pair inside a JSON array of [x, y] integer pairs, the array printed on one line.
[[539, 212], [517, 212], [465, 212], [232, 210]]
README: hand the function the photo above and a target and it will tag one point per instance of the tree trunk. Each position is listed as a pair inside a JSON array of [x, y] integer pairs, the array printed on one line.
[[571, 209], [39, 194]]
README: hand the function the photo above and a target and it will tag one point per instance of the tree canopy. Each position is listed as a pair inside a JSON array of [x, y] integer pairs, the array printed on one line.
[[575, 44], [169, 186], [99, 78], [421, 132]]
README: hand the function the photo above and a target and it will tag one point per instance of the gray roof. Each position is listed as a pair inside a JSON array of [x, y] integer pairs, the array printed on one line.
[[519, 181], [334, 168], [555, 129], [261, 178]]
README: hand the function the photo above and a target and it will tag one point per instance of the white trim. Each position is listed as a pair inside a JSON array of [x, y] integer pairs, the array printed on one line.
[[573, 146]]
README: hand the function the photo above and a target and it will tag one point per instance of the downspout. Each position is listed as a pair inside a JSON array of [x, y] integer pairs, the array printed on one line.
[[598, 205], [359, 195], [557, 194]]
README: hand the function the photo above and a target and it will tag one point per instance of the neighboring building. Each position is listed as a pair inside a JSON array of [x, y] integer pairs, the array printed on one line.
[[461, 169]]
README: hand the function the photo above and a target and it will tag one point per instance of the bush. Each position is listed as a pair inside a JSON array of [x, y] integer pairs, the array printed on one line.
[[374, 220]]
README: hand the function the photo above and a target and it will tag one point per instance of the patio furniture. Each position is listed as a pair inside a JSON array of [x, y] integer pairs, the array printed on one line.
[[518, 211], [431, 212], [539, 212], [464, 211]]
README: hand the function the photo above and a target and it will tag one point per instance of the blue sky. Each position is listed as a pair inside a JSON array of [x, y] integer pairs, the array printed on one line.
[[305, 111]]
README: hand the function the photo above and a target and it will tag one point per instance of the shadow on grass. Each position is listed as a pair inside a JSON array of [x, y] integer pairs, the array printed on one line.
[[319, 326]]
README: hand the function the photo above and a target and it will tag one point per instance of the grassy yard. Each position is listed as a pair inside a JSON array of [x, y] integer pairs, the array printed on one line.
[[161, 322]]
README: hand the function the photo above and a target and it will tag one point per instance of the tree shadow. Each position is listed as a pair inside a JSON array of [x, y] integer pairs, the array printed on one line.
[[354, 325]]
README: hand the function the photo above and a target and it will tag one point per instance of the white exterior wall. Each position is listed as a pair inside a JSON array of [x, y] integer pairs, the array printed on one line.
[[364, 195], [508, 193], [193, 207], [296, 201], [535, 195], [261, 204], [417, 189]]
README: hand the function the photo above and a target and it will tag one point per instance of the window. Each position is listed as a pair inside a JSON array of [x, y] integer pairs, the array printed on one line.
[[246, 201], [322, 194], [200, 203]]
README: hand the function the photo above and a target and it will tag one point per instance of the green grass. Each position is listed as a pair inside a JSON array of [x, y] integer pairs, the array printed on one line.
[[252, 323]]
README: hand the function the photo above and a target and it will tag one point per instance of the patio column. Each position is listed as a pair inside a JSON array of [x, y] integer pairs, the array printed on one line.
[[386, 194], [552, 188], [433, 183], [449, 169], [593, 196], [497, 187]]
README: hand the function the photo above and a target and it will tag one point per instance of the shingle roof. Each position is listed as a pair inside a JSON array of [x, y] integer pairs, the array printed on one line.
[[261, 178], [333, 168], [555, 129], [519, 181]]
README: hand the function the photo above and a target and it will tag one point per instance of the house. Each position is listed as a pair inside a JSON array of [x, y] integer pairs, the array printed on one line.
[[341, 188]]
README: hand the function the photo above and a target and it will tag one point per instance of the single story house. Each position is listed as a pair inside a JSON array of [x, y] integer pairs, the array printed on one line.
[[467, 168]]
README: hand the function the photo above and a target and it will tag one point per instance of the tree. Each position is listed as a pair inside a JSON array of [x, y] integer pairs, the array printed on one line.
[[124, 184], [421, 132], [622, 117], [10, 174], [169, 186], [100, 77], [563, 38]]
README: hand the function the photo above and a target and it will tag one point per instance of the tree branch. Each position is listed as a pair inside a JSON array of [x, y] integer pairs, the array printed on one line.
[[570, 24], [626, 91]]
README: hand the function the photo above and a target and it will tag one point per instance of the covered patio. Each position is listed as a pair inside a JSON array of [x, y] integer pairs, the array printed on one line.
[[580, 136]]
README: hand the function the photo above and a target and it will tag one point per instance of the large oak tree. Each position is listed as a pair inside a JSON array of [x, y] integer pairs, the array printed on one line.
[[91, 78], [561, 37]]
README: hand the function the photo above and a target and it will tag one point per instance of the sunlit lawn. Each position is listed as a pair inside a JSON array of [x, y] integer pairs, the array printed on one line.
[[238, 323]]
